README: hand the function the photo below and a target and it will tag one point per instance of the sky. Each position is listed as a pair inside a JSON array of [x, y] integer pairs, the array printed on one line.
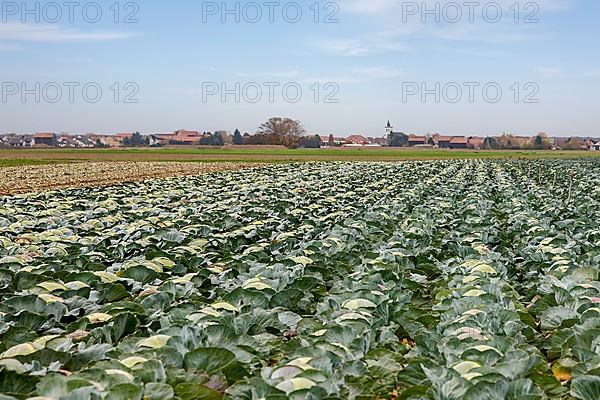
[[344, 67]]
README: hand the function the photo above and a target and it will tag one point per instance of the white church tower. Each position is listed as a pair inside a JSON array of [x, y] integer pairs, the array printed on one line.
[[389, 129]]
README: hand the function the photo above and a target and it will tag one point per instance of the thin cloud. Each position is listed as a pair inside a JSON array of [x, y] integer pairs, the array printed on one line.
[[373, 73], [346, 47], [279, 74], [361, 47], [285, 74], [398, 21], [397, 37], [482, 34], [339, 79], [394, 7], [549, 72], [360, 75], [487, 53], [55, 34]]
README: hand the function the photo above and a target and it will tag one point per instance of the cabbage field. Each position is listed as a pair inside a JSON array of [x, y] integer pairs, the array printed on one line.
[[418, 280]]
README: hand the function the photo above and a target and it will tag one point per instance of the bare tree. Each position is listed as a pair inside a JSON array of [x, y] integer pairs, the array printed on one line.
[[285, 131]]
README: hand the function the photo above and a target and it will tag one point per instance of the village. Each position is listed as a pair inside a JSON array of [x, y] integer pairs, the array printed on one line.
[[390, 138]]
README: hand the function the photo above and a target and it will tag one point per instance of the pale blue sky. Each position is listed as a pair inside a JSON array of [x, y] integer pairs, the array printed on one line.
[[371, 54]]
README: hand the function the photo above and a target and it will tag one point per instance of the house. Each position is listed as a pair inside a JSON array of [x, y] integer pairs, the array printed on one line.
[[594, 145], [84, 141], [109, 140], [185, 137], [417, 140], [458, 142], [443, 142], [45, 139], [154, 141], [163, 138], [356, 140], [337, 141], [325, 141], [98, 140], [120, 138], [79, 141], [15, 141], [66, 141], [476, 142], [378, 141]]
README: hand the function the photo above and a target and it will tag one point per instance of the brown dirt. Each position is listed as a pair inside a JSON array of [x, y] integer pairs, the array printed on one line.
[[27, 179]]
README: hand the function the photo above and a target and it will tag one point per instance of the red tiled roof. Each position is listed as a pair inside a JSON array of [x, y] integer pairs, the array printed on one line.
[[476, 141], [417, 139], [444, 138], [183, 132], [44, 135], [458, 140], [357, 139], [183, 136]]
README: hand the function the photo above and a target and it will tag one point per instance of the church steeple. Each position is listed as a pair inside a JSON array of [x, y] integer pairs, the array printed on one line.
[[389, 128]]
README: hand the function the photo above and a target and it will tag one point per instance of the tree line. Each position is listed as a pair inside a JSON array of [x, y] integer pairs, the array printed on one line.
[[280, 131], [504, 142]]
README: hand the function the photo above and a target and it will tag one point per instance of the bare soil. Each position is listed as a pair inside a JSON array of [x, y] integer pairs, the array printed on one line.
[[38, 178]]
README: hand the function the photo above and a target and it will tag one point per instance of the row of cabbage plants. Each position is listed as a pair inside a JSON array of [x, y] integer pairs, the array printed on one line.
[[421, 280]]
